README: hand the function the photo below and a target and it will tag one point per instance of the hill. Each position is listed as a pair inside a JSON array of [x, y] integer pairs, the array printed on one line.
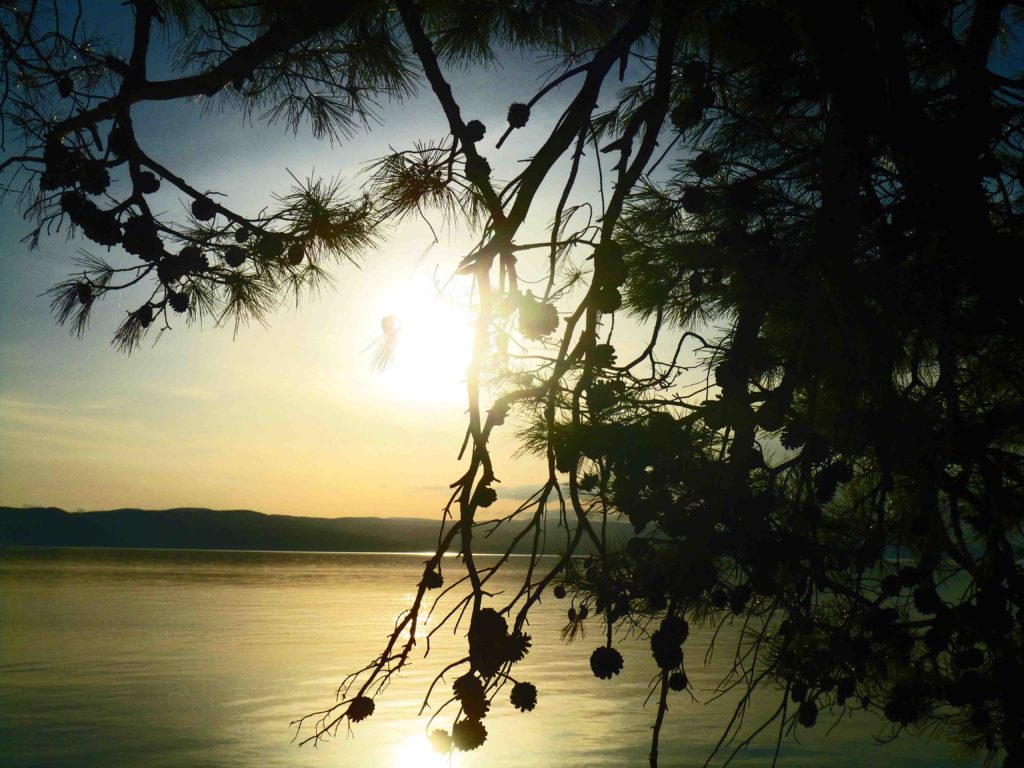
[[199, 528]]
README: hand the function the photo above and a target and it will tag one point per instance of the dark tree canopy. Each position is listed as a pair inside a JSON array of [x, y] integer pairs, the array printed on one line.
[[812, 210]]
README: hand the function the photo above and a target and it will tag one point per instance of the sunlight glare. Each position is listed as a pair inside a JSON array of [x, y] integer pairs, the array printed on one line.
[[416, 752], [433, 344]]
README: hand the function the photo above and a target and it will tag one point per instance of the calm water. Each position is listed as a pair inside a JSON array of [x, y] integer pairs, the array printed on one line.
[[171, 658]]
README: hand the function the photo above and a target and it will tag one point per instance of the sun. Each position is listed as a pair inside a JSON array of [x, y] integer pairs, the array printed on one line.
[[428, 340], [416, 752]]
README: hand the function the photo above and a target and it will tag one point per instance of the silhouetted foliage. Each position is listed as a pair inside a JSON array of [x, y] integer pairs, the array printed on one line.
[[812, 209]]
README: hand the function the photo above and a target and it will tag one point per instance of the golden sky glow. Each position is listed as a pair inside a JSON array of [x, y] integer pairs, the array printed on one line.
[[287, 419]]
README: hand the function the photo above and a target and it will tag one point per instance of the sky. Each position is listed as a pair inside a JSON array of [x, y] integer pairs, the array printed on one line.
[[285, 419]]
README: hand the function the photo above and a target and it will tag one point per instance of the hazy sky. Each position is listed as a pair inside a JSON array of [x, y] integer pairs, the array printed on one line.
[[285, 419]]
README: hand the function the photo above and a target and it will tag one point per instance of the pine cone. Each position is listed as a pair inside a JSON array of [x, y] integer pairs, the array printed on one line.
[[234, 256], [607, 300], [141, 238], [706, 164], [93, 178], [678, 681], [475, 131], [271, 245], [536, 319], [518, 115], [360, 708], [517, 646], [147, 183], [178, 302], [432, 580], [524, 696], [605, 662], [486, 496], [467, 735], [478, 170], [144, 315], [440, 741], [65, 86], [695, 200], [203, 208], [83, 291]]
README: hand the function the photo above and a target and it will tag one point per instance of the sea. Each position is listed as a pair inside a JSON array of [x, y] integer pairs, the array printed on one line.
[[191, 659]]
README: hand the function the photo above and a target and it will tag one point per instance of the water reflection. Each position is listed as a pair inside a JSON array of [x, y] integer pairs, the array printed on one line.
[[174, 659]]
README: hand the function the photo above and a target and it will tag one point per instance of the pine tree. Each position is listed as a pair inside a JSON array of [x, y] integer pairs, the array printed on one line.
[[811, 209]]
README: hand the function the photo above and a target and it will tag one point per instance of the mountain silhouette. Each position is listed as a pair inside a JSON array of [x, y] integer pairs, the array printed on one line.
[[199, 528]]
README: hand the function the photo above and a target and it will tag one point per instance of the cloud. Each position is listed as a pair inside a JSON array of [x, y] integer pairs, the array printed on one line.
[[25, 425], [12, 403], [193, 393]]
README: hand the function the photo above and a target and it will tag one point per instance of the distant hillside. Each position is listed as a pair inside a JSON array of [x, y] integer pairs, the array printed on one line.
[[241, 529]]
